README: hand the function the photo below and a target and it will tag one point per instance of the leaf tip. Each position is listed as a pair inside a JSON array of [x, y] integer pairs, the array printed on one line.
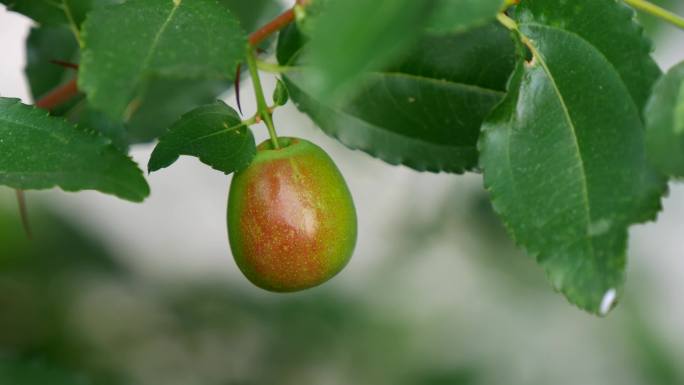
[[608, 302]]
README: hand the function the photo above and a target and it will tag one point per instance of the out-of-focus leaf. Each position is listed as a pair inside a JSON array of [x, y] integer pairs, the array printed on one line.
[[43, 45], [253, 13], [56, 12], [165, 100], [425, 111], [352, 37], [665, 123], [458, 15]]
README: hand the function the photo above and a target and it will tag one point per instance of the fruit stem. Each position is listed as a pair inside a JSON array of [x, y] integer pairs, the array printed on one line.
[[262, 107], [659, 12]]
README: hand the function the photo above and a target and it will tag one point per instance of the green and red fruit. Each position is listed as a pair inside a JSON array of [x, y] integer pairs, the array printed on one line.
[[291, 217]]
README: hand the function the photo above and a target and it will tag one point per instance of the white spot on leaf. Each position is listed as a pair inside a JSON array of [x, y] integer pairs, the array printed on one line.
[[608, 301]]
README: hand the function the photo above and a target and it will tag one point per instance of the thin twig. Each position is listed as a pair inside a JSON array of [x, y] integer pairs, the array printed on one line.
[[23, 213], [58, 96]]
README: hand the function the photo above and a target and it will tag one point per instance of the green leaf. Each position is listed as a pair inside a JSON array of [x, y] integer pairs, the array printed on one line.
[[610, 27], [564, 162], [38, 151], [213, 133], [458, 15], [424, 112], [665, 123], [355, 36], [56, 12], [43, 45], [167, 99], [253, 13], [177, 39]]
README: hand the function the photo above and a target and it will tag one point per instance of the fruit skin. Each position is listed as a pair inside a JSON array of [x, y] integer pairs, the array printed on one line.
[[291, 218]]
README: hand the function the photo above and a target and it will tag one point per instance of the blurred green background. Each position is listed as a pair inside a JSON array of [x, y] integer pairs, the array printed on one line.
[[111, 293]]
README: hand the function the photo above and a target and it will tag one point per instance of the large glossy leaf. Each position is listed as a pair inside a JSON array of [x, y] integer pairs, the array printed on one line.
[[214, 133], [424, 112], [609, 26], [458, 15], [665, 123], [38, 152], [351, 37], [177, 39], [564, 161]]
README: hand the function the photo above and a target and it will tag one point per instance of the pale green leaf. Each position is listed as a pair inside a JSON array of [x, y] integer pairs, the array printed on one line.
[[665, 123]]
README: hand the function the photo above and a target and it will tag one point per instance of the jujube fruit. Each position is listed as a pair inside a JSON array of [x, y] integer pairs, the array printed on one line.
[[291, 217]]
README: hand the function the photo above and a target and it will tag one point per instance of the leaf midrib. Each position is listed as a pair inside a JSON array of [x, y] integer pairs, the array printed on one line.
[[566, 114]]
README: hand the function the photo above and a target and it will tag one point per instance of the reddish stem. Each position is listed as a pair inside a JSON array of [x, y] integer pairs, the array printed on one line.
[[58, 96], [274, 26], [65, 64]]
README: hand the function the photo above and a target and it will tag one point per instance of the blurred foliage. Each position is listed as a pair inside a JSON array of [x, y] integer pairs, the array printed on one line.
[[70, 314]]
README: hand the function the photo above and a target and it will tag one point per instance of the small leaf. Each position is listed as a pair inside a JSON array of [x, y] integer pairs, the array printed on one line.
[[665, 123], [280, 94], [564, 161], [610, 27], [43, 45], [38, 151], [355, 36], [213, 133], [177, 39], [458, 15], [425, 111]]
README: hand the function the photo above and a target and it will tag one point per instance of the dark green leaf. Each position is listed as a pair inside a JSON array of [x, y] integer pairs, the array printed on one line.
[[458, 15], [179, 39], [167, 99], [43, 45], [564, 161], [253, 13], [38, 152], [665, 123], [213, 133], [56, 12], [355, 36], [609, 26], [424, 112]]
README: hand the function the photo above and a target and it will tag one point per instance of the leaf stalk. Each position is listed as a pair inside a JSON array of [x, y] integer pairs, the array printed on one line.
[[262, 107]]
